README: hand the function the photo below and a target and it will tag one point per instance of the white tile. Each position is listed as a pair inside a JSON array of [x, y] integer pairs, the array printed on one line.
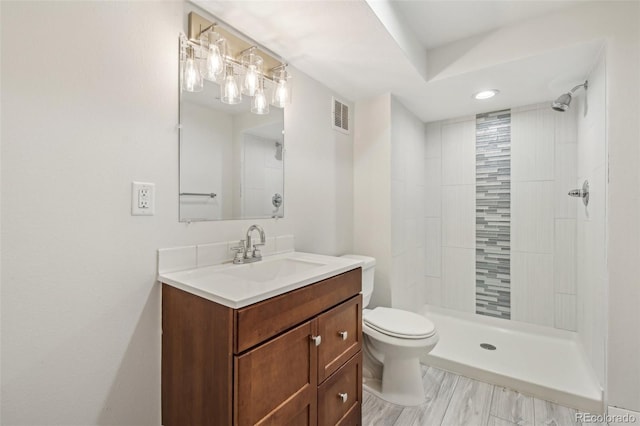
[[285, 243], [399, 159], [414, 201], [411, 235], [565, 317], [459, 216], [459, 153], [532, 145], [421, 231], [213, 254], [177, 259], [532, 217], [459, 279], [532, 294], [566, 127], [433, 247], [400, 297], [566, 174], [398, 207], [433, 290], [565, 256], [433, 146], [432, 189], [620, 414]]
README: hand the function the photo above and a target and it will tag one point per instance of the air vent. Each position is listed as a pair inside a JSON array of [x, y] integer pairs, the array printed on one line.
[[340, 116]]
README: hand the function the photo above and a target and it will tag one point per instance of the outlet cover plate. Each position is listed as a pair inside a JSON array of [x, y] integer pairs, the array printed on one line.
[[143, 196]]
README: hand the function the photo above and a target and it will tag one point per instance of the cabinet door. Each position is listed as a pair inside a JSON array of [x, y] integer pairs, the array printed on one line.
[[340, 396], [341, 331], [276, 383]]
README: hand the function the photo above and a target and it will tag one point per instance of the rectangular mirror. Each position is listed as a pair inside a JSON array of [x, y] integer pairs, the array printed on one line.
[[231, 160]]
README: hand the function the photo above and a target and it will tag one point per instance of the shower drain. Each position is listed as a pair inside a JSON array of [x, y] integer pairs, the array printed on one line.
[[487, 346]]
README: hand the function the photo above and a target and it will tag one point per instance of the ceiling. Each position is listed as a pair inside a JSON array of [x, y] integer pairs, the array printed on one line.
[[353, 50], [436, 23]]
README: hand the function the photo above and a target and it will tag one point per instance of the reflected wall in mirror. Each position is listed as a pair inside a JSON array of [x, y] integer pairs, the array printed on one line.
[[233, 153]]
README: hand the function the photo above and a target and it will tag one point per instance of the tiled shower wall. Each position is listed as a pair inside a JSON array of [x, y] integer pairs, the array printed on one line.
[[543, 227], [493, 214]]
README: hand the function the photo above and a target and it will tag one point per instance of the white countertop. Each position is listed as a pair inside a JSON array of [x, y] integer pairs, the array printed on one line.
[[231, 285]]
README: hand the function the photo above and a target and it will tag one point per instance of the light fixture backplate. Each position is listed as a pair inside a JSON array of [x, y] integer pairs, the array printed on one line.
[[236, 45]]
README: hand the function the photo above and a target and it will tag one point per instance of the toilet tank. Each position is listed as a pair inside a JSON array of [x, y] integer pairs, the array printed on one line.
[[368, 270]]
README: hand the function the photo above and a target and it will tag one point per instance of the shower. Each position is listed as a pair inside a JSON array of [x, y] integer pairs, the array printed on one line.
[[562, 103]]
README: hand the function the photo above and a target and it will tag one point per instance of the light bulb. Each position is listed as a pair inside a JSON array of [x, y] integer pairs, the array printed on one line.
[[259, 104], [281, 94], [191, 77], [230, 91], [251, 80], [214, 63]]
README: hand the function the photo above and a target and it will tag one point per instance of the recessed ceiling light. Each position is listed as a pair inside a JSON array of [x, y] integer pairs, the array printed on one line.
[[486, 94]]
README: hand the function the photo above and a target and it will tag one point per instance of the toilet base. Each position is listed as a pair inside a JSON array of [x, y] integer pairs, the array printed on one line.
[[398, 379]]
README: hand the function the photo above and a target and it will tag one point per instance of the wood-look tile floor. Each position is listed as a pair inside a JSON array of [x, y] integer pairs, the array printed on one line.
[[454, 400]]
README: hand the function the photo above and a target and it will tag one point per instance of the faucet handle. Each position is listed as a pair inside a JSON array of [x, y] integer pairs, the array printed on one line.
[[239, 250]]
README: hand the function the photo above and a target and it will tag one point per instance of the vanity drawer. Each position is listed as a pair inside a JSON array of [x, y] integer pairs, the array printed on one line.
[[340, 396], [259, 322], [341, 331]]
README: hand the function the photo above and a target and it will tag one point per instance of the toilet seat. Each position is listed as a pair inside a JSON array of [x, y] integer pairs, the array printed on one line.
[[399, 323]]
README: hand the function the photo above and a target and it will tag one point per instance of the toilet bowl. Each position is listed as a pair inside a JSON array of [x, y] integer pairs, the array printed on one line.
[[393, 342]]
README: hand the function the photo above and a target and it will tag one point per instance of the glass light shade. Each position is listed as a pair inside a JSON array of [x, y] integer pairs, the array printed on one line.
[[230, 91], [191, 76], [281, 94], [250, 81], [259, 103], [253, 66], [282, 91], [214, 65]]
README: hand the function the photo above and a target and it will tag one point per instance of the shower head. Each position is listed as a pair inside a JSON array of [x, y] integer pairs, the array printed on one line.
[[562, 103]]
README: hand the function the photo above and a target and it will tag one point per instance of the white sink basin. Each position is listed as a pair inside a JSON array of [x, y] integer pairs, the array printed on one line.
[[237, 286], [271, 269]]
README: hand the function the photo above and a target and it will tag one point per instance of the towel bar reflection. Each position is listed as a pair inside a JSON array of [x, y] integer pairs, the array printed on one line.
[[198, 194]]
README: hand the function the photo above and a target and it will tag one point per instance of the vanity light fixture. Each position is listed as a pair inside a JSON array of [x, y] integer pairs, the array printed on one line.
[[236, 63], [485, 94]]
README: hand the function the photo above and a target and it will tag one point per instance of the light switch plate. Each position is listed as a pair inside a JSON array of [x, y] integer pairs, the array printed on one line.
[[143, 196]]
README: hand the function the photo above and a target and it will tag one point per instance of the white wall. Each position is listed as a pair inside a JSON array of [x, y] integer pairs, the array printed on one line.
[[617, 23], [591, 266], [450, 195], [543, 170], [262, 176], [82, 117], [372, 190], [407, 208], [543, 226], [206, 143]]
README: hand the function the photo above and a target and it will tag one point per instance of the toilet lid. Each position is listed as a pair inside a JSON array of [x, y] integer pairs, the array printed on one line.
[[399, 323]]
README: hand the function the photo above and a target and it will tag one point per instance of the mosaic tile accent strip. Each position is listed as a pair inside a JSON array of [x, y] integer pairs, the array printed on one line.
[[493, 214]]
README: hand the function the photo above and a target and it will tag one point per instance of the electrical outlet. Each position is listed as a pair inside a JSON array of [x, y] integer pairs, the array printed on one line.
[[142, 199]]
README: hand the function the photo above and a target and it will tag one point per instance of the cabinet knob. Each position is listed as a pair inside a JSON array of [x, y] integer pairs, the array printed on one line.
[[316, 339], [343, 396], [343, 334]]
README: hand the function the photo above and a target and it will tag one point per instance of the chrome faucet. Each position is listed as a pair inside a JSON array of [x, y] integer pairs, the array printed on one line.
[[249, 252]]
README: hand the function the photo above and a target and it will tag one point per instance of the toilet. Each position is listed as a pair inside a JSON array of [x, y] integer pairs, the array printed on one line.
[[393, 341]]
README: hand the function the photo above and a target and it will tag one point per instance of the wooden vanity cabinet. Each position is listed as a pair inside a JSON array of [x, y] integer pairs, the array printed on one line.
[[259, 364]]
